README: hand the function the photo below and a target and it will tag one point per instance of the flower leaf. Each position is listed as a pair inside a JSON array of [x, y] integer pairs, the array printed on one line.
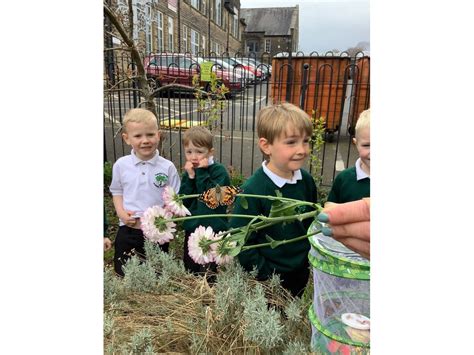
[[236, 250]]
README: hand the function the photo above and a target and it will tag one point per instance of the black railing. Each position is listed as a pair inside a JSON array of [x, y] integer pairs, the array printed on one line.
[[336, 87]]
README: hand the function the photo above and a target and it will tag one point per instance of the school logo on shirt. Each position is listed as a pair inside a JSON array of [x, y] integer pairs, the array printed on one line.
[[160, 180]]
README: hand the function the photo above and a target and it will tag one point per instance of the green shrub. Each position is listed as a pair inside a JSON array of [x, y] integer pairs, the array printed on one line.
[[107, 175]]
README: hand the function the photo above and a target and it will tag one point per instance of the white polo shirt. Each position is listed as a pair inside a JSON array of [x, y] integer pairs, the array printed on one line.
[[141, 182], [278, 180]]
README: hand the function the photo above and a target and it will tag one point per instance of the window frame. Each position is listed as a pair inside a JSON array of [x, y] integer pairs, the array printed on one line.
[[159, 31], [170, 34]]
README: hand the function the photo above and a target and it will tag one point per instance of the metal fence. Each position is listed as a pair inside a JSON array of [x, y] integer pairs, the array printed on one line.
[[336, 87]]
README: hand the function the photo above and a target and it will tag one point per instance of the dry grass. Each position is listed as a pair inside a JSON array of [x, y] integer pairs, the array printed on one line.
[[188, 319]]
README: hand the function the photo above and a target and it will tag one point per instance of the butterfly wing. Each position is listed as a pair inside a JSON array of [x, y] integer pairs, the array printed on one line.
[[227, 194], [209, 197]]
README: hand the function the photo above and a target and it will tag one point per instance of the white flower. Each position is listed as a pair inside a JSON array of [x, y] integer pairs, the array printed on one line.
[[173, 204], [155, 225], [221, 250], [198, 250]]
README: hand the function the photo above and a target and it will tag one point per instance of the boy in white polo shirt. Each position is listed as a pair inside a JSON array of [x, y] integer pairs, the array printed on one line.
[[138, 180]]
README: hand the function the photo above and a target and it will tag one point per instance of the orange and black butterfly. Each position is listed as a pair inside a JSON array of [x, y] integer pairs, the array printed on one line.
[[219, 195]]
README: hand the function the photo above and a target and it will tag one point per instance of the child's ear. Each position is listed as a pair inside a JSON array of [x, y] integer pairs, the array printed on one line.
[[158, 134], [211, 151], [125, 138], [264, 145], [354, 141]]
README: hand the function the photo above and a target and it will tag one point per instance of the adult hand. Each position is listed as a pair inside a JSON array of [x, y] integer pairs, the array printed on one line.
[[349, 223]]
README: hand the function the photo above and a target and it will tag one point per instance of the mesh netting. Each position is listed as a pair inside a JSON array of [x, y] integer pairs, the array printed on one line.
[[341, 305]]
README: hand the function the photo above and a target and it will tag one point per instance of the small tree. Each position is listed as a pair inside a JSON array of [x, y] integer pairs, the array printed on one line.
[[122, 20]]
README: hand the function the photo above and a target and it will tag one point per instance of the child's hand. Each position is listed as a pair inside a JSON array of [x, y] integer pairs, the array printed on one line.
[[203, 163], [107, 244], [190, 169], [128, 219]]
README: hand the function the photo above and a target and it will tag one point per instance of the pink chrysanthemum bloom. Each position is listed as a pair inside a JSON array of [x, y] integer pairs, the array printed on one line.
[[198, 250], [155, 225], [173, 204], [221, 250]]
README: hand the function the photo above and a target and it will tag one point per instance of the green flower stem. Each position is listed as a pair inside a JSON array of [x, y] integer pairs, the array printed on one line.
[[273, 198], [267, 222], [179, 219], [277, 243]]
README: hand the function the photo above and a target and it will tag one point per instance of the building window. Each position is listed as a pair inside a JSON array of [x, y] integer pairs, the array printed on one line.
[[252, 46], [195, 4], [159, 27], [268, 46], [194, 42], [148, 38], [235, 24], [185, 38], [217, 12], [170, 34], [203, 42]]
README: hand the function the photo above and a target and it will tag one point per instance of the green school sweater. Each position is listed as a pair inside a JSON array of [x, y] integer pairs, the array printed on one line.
[[346, 188], [205, 179], [286, 258]]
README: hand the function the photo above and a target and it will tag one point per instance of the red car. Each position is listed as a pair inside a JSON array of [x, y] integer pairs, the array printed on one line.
[[177, 68]]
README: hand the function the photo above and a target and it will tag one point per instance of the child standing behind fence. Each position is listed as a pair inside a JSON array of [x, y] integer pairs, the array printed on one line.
[[284, 132], [201, 174], [353, 183], [138, 181]]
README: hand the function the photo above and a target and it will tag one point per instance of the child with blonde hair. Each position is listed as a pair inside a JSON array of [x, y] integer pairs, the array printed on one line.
[[138, 180], [284, 133], [353, 183]]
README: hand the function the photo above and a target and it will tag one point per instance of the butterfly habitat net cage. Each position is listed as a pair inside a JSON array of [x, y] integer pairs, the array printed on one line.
[[340, 312]]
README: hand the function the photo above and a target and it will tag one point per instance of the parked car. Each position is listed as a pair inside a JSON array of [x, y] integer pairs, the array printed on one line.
[[250, 66], [248, 71], [241, 73], [235, 78], [178, 68], [264, 67]]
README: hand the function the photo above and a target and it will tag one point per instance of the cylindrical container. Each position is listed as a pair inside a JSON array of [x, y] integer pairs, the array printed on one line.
[[340, 313]]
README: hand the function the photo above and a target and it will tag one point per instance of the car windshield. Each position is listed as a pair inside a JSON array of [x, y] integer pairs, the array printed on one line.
[[171, 61]]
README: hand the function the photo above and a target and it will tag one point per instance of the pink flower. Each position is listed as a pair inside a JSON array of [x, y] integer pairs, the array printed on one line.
[[155, 225], [198, 250], [221, 250], [173, 204]]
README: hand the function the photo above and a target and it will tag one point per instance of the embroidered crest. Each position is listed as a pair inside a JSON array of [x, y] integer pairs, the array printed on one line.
[[160, 180]]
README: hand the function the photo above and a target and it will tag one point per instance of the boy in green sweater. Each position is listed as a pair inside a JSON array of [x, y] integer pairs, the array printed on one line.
[[284, 132], [201, 173], [353, 183]]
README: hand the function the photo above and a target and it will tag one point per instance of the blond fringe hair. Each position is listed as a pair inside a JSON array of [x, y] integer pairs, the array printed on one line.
[[363, 121], [139, 115]]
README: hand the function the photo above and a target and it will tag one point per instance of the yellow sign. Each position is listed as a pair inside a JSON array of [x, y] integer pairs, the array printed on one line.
[[206, 71]]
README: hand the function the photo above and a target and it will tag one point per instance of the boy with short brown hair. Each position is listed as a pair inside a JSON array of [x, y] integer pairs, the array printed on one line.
[[284, 133], [201, 174]]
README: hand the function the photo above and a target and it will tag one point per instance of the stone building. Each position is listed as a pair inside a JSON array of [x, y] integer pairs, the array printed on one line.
[[270, 30], [195, 26]]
